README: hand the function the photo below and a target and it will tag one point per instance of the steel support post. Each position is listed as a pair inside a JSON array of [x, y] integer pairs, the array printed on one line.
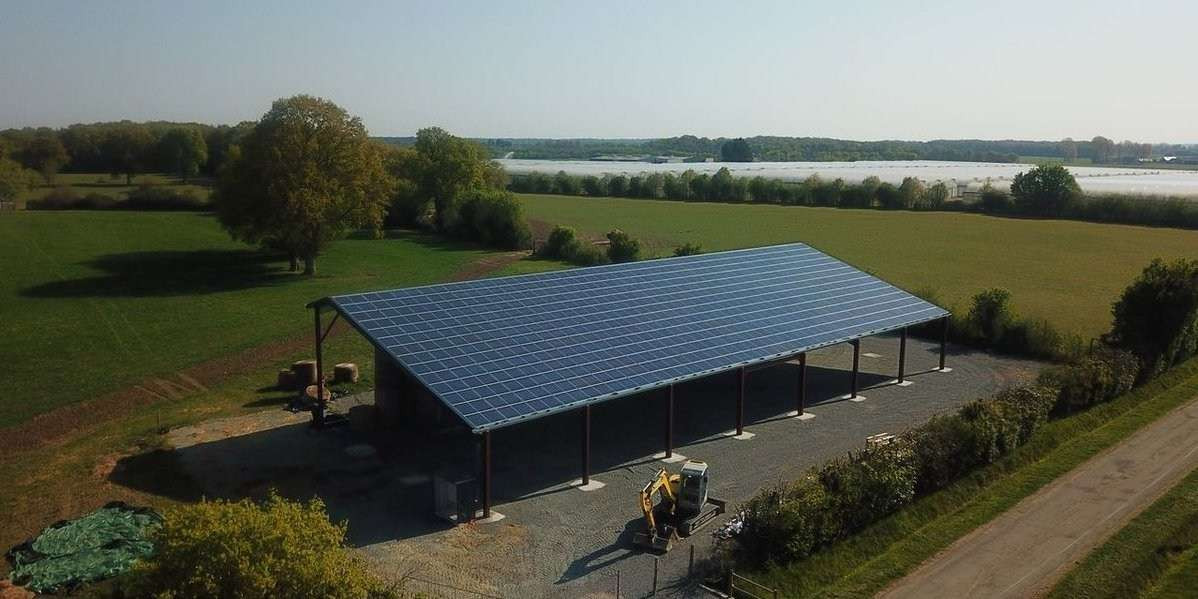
[[742, 375], [902, 365], [486, 474], [856, 366], [586, 445], [943, 341], [670, 421], [801, 393]]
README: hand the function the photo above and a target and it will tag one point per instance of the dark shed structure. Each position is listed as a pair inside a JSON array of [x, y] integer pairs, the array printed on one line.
[[495, 352]]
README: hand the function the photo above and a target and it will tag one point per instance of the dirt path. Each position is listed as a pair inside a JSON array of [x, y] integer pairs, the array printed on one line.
[[1024, 551], [64, 423], [485, 266]]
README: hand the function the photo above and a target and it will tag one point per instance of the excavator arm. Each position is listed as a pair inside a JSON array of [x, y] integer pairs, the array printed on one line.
[[661, 483]]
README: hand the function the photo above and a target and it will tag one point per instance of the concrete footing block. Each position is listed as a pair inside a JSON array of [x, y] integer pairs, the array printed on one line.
[[677, 457], [849, 396], [594, 485]]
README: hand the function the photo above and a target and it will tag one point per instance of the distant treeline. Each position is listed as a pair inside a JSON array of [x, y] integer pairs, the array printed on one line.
[[1100, 150], [123, 148], [911, 194]]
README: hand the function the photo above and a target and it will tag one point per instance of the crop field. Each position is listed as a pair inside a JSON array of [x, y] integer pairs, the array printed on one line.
[[95, 301], [114, 187], [1067, 272]]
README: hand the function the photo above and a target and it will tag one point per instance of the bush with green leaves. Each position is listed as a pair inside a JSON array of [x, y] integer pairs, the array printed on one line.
[[279, 548], [868, 484], [493, 217], [622, 247], [1094, 378], [784, 522], [1045, 190], [1156, 318], [688, 249], [990, 315], [560, 245]]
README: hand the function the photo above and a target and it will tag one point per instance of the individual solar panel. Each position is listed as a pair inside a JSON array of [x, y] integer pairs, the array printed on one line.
[[501, 350]]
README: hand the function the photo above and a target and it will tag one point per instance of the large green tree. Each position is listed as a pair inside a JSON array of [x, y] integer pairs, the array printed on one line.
[[182, 151], [126, 148], [447, 166], [1045, 190], [303, 177], [46, 155], [14, 179], [1156, 318]]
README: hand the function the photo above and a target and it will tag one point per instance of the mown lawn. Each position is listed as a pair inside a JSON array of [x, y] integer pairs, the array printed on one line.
[[1155, 555], [866, 563], [94, 301], [1067, 272]]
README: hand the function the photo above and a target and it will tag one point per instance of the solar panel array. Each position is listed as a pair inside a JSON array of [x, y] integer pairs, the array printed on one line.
[[498, 351]]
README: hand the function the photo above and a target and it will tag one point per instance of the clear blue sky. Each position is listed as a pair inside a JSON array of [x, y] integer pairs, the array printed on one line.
[[859, 70]]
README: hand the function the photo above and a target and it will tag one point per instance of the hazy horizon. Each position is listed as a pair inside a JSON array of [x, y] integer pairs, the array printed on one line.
[[895, 71]]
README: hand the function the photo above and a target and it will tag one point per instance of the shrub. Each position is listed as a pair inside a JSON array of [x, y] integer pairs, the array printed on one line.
[[688, 249], [937, 447], [1045, 190], [622, 247], [1026, 407], [1095, 378], [279, 548], [560, 245], [493, 217], [995, 201], [784, 522], [585, 254], [1156, 318], [990, 315], [867, 485], [157, 197]]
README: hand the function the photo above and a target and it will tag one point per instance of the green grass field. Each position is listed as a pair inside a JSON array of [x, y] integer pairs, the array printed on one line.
[[115, 187], [1068, 272], [94, 301]]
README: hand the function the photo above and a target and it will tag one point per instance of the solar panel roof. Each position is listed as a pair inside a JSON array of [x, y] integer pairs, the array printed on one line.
[[498, 351]]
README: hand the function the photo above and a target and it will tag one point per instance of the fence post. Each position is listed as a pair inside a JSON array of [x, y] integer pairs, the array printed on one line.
[[617, 584], [730, 575], [690, 565], [654, 591]]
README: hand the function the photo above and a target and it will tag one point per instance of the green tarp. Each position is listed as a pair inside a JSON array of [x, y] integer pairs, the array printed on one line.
[[99, 545]]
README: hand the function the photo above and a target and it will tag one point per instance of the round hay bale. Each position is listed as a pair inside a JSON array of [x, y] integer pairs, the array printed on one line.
[[305, 372], [346, 372], [286, 380], [310, 392]]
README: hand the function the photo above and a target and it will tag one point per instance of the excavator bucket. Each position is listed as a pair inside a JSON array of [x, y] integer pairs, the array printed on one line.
[[655, 542]]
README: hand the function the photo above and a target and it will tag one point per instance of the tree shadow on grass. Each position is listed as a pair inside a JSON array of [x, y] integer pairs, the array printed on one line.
[[170, 273]]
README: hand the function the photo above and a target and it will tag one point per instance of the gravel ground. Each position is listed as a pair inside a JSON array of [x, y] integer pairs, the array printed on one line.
[[554, 539]]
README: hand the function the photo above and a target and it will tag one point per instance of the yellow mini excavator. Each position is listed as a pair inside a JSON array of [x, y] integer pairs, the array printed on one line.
[[684, 507]]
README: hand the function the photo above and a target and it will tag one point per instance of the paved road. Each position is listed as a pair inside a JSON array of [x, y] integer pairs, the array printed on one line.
[[1024, 551]]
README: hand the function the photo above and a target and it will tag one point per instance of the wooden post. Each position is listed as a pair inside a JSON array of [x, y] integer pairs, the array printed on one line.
[[801, 393], [486, 474], [856, 366], [740, 401], [902, 365], [318, 410], [586, 445], [670, 422], [654, 591]]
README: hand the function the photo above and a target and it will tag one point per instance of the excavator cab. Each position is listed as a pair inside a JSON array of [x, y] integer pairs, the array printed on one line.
[[684, 507]]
